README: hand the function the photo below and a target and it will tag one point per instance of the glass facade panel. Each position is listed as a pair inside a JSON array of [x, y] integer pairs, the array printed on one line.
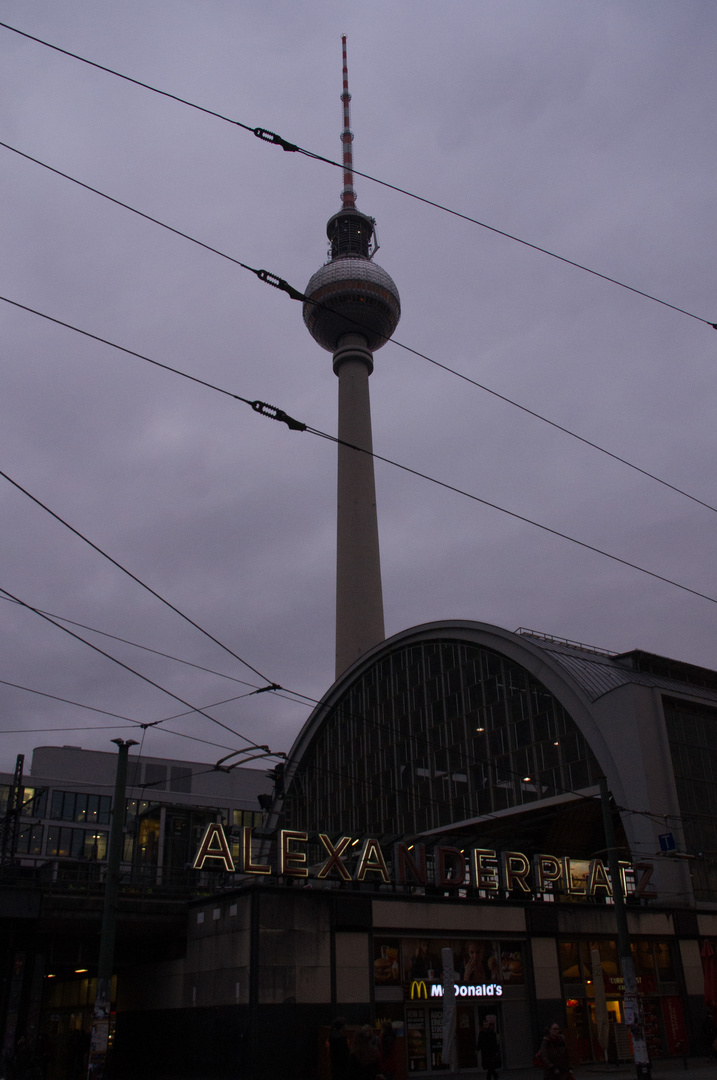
[[692, 732], [155, 776], [68, 843], [29, 841], [433, 734], [246, 817], [34, 802], [180, 778]]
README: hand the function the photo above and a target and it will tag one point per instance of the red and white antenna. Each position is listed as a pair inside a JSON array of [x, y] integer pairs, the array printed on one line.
[[348, 195]]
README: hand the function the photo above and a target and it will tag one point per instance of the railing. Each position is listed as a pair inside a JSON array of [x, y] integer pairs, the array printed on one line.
[[525, 632], [57, 877]]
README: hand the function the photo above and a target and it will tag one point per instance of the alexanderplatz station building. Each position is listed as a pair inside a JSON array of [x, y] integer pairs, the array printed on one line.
[[444, 794]]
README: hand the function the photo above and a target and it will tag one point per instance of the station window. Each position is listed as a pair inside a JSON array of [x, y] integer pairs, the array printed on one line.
[[34, 802], [29, 841], [67, 843], [81, 807]]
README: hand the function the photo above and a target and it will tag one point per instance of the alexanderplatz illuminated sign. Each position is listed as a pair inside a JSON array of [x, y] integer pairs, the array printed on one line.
[[485, 869]]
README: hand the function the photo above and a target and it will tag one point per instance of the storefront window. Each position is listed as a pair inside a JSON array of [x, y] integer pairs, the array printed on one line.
[[663, 955], [570, 962], [408, 987], [663, 1012], [609, 962]]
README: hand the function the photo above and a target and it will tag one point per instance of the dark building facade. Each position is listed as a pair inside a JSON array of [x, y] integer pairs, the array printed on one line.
[[443, 795]]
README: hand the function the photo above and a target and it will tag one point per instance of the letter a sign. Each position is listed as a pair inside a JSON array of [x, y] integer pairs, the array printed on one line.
[[214, 846]]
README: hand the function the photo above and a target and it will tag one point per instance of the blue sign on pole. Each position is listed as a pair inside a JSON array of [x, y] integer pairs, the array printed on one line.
[[667, 842]]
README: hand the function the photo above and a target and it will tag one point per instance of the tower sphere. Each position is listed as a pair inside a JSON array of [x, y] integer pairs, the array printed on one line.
[[351, 295]]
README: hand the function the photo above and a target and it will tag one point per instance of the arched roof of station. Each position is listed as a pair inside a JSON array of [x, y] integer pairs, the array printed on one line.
[[576, 676]]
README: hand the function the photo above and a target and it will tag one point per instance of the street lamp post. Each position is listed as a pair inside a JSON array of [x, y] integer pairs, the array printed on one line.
[[99, 1042], [632, 1002]]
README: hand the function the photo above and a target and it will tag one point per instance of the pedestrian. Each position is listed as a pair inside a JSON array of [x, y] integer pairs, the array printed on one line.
[[489, 1049], [363, 1061], [338, 1049], [553, 1054], [709, 1031], [387, 1062]]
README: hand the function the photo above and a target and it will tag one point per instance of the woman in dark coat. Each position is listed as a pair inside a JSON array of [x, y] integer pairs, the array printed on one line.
[[554, 1055], [487, 1047]]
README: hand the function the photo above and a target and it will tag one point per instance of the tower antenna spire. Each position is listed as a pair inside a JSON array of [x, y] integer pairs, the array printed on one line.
[[348, 195], [351, 309]]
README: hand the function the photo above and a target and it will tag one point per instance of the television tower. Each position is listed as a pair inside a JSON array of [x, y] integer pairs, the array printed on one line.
[[352, 307]]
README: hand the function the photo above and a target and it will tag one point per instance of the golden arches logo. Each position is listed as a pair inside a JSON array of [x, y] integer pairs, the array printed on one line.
[[419, 989]]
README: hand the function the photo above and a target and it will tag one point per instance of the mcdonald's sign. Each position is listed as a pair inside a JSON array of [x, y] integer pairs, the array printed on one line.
[[419, 989]]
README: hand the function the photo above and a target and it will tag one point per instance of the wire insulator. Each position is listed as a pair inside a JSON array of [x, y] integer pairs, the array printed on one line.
[[276, 140], [277, 414], [279, 283]]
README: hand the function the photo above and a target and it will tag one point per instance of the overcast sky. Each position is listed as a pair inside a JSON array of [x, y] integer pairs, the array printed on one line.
[[585, 128]]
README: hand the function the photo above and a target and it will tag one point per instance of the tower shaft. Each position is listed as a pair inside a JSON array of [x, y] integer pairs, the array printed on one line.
[[359, 596]]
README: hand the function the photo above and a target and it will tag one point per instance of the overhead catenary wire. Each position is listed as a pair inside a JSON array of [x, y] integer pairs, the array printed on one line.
[[133, 671], [429, 745], [295, 294], [158, 725], [284, 693], [368, 782], [131, 726], [118, 716], [275, 414], [277, 140], [144, 648], [424, 739], [514, 514], [142, 584], [203, 771]]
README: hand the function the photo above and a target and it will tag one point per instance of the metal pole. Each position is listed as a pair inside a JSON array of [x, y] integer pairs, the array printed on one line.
[[99, 1042], [11, 821], [631, 1000]]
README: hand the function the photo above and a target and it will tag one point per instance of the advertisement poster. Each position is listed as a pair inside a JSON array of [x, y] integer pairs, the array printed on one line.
[[414, 965], [653, 1036], [386, 962], [422, 958], [674, 1025], [435, 1020], [511, 963], [416, 1040], [477, 962]]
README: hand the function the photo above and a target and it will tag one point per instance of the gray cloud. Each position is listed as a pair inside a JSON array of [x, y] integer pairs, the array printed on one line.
[[582, 129]]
